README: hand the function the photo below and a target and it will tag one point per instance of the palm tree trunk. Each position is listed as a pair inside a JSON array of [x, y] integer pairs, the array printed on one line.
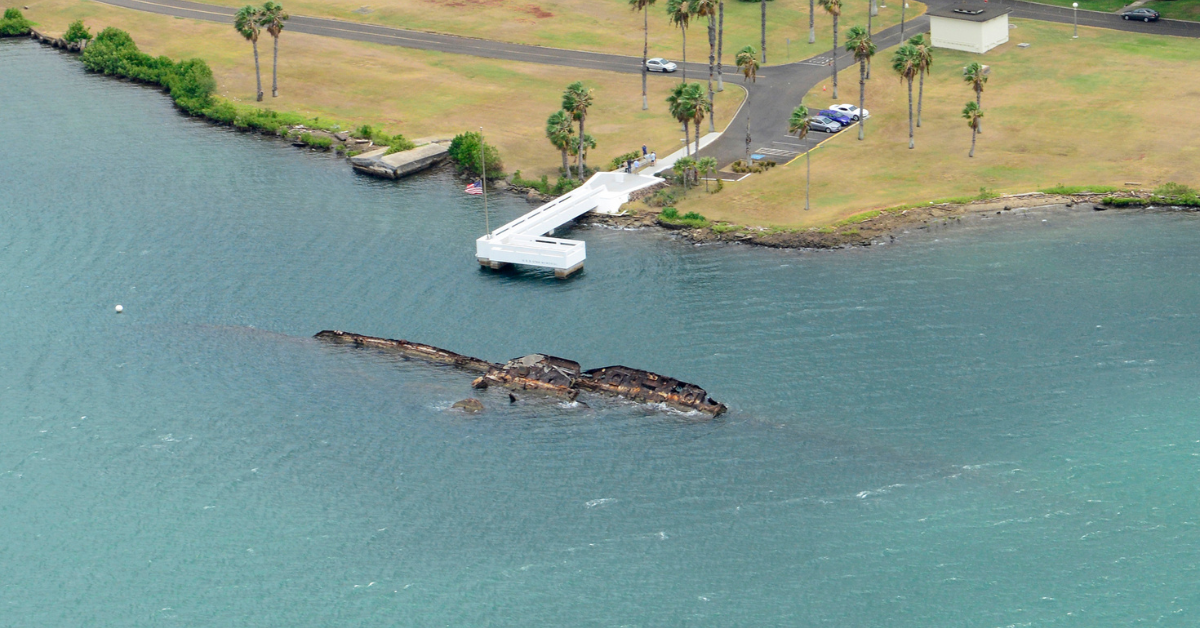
[[565, 168], [257, 74], [748, 128], [979, 104], [871, 11], [684, 29], [920, 97], [764, 30], [862, 94], [712, 64], [645, 54], [720, 42], [973, 130], [910, 116], [834, 61], [903, 5], [583, 162], [697, 151], [687, 139], [275, 71], [812, 22]]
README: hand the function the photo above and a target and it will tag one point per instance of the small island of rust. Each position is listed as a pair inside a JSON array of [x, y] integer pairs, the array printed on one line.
[[546, 374]]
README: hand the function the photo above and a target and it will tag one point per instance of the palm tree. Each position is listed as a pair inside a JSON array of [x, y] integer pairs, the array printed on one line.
[[872, 11], [976, 76], [680, 13], [587, 143], [858, 41], [748, 64], [273, 18], [798, 124], [680, 107], [708, 8], [763, 4], [904, 62], [246, 23], [560, 132], [973, 115], [643, 6], [834, 8], [707, 165], [683, 167], [699, 107], [924, 62], [576, 101], [812, 22]]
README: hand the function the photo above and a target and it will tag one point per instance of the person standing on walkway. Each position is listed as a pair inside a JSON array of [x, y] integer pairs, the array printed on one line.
[[653, 158], [643, 150]]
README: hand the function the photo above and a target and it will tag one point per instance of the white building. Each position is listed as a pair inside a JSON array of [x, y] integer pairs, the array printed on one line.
[[972, 27]]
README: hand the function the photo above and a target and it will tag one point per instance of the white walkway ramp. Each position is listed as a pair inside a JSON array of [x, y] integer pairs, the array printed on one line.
[[524, 240]]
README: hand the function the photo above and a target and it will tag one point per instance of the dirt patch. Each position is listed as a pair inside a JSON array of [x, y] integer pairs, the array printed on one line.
[[537, 12], [462, 4]]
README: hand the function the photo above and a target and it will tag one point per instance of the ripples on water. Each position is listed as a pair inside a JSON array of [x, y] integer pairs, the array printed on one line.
[[986, 426]]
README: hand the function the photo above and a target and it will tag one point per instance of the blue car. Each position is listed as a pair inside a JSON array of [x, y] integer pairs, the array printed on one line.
[[837, 116]]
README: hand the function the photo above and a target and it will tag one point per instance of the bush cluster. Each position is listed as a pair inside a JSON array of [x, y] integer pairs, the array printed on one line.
[[189, 82], [619, 161], [14, 24], [741, 167], [662, 198], [77, 32], [315, 141], [560, 187], [670, 216], [466, 150], [395, 143]]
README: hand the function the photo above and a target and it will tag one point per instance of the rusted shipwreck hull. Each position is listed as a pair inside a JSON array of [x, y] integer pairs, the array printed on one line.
[[550, 375], [541, 373], [648, 387], [408, 349]]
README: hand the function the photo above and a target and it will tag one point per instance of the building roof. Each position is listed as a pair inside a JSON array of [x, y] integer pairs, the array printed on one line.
[[971, 11]]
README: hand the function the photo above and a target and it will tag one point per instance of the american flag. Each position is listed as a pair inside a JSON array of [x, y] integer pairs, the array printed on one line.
[[474, 188]]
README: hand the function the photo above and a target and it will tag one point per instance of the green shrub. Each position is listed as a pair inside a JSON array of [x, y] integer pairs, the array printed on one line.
[[222, 112], [467, 150], [77, 32], [14, 24], [191, 80], [315, 141], [1114, 201], [662, 198], [619, 161], [1079, 189], [670, 216], [1174, 189]]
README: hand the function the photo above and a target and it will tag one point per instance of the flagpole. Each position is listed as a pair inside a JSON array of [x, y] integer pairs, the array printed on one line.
[[483, 170]]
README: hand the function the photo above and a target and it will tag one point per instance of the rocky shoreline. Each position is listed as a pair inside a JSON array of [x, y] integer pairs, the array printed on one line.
[[868, 228]]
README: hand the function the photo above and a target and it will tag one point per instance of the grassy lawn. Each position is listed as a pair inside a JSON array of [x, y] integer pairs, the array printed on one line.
[[1060, 111], [1171, 9], [604, 25], [417, 93]]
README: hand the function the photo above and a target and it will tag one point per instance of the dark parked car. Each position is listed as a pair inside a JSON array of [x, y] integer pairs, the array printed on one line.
[[821, 123], [1145, 15], [838, 117]]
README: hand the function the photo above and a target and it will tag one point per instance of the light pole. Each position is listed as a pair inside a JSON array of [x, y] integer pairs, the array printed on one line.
[[1075, 12]]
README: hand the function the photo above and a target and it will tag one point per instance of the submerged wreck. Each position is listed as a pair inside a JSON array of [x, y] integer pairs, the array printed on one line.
[[549, 375]]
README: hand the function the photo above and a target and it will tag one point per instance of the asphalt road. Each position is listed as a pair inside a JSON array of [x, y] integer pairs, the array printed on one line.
[[772, 97]]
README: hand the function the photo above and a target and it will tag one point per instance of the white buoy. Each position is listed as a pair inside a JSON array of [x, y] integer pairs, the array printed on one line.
[[120, 309]]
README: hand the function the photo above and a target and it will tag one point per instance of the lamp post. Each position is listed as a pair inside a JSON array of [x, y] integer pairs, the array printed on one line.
[[1075, 12]]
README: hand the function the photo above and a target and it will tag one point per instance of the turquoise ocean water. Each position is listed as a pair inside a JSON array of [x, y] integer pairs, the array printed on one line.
[[990, 425]]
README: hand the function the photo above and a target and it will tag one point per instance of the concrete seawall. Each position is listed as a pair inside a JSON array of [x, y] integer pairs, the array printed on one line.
[[397, 165]]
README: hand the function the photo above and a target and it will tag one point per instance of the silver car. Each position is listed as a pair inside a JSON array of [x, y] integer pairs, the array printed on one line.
[[821, 123], [658, 64]]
